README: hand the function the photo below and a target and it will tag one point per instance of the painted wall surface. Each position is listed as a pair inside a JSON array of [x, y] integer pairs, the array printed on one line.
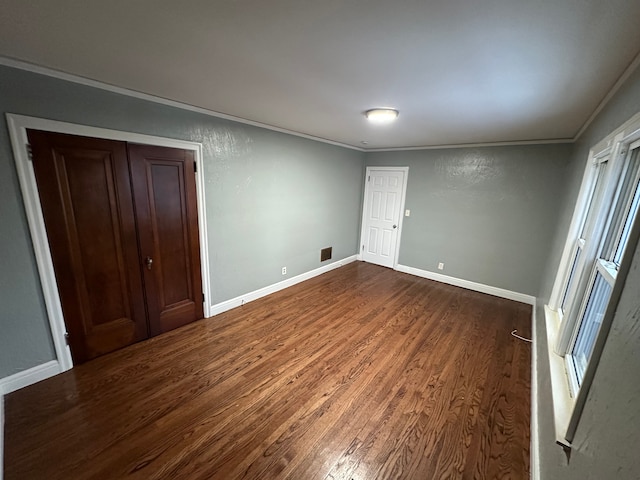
[[487, 213], [609, 431], [273, 200]]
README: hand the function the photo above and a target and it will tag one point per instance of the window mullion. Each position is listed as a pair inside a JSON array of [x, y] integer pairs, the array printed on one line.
[[608, 270], [591, 239]]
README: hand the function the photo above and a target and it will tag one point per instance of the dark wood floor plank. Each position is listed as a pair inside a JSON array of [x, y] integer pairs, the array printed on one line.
[[362, 372]]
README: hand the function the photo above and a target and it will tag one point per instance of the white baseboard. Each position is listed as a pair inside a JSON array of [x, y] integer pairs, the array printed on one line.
[[534, 468], [263, 292], [17, 381], [1, 435], [29, 377], [518, 297], [478, 287]]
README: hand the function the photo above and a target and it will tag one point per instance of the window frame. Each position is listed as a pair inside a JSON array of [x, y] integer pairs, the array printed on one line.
[[588, 232], [574, 281], [613, 214], [608, 274]]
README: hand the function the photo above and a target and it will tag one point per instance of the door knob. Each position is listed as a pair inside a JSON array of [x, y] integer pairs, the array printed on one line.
[[395, 226], [148, 261]]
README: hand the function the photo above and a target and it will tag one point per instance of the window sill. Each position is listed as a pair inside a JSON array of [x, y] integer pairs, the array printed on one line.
[[562, 401]]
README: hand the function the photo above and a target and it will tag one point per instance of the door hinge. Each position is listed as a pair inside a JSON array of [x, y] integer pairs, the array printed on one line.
[[362, 249], [66, 337], [195, 167], [369, 178], [29, 151]]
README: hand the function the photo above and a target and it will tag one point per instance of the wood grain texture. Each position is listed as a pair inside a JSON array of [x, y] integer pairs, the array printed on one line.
[[164, 192], [87, 206], [361, 373]]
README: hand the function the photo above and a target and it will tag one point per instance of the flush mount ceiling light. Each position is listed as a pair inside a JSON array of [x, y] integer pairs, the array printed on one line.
[[381, 115]]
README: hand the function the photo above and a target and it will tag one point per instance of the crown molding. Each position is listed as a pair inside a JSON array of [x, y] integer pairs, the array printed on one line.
[[635, 63], [49, 72], [30, 67]]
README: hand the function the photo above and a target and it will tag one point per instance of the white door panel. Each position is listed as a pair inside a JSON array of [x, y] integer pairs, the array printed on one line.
[[384, 195]]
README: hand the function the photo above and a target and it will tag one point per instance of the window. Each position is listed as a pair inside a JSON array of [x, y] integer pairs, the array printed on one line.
[[571, 284], [587, 290], [585, 293], [589, 324]]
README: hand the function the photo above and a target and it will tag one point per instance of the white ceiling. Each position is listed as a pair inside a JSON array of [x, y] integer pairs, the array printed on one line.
[[459, 71]]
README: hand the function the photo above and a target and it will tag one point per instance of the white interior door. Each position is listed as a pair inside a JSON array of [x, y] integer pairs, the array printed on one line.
[[382, 216]]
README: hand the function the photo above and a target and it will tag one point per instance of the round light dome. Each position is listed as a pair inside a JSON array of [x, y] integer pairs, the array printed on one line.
[[381, 115]]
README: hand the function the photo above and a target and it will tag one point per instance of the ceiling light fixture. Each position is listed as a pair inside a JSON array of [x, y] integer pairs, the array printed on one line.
[[381, 115]]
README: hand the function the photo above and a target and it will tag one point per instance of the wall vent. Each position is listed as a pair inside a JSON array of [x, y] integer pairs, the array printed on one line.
[[325, 254]]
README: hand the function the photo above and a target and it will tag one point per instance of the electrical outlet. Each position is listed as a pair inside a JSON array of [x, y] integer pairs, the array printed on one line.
[[284, 270], [407, 213], [441, 266]]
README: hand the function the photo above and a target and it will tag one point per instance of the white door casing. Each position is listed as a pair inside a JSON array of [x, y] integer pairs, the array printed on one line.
[[384, 199], [18, 125]]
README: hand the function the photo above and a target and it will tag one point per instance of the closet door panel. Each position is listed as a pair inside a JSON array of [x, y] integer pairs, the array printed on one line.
[[164, 188], [86, 199]]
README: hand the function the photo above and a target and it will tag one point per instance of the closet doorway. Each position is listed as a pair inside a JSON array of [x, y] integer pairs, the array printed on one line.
[[122, 224]]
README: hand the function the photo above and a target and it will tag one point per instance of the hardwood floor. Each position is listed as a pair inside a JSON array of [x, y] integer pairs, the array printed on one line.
[[362, 373]]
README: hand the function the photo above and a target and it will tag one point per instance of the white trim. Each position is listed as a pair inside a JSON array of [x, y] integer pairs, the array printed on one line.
[[567, 410], [534, 469], [614, 145], [599, 205], [17, 381], [365, 203], [513, 143], [477, 287], [599, 192], [635, 63], [579, 211], [562, 401], [203, 231], [276, 287], [607, 270], [1, 435], [18, 125], [49, 72], [29, 377]]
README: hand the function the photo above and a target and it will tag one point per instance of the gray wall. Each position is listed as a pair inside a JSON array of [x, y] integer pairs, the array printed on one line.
[[497, 216], [609, 431], [488, 213], [272, 199]]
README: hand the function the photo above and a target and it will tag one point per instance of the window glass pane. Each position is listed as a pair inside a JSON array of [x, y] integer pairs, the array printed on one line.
[[624, 237], [590, 324], [591, 213], [572, 279], [624, 212], [588, 218]]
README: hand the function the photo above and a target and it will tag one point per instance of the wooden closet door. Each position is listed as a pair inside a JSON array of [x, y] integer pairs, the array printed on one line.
[[85, 194], [164, 189]]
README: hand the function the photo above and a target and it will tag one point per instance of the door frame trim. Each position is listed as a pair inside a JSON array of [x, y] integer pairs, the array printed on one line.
[[18, 125], [365, 203]]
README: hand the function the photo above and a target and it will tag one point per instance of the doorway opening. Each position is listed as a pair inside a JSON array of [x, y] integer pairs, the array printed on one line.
[[382, 215], [18, 127]]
